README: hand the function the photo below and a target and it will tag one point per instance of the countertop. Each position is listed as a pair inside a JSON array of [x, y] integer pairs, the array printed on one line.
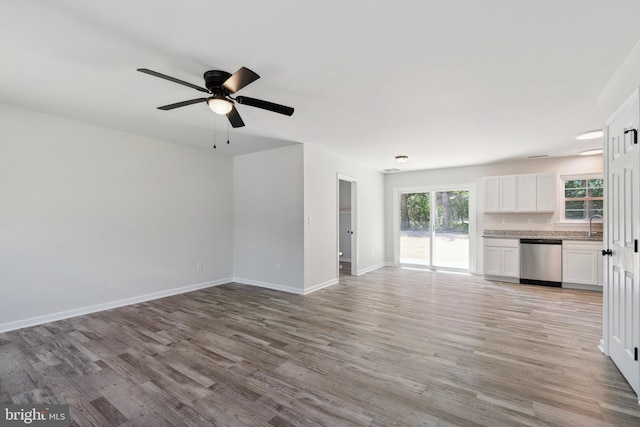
[[545, 234]]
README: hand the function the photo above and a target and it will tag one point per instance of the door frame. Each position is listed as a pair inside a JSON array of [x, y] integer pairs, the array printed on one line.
[[470, 187], [354, 223]]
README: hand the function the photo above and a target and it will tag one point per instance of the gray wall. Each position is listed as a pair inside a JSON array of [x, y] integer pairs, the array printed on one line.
[[268, 219], [92, 218]]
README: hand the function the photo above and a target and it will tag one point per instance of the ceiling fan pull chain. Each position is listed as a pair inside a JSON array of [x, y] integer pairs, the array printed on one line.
[[227, 132]]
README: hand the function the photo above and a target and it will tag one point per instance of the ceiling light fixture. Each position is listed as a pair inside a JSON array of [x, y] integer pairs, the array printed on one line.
[[402, 159], [219, 104], [592, 134], [591, 152]]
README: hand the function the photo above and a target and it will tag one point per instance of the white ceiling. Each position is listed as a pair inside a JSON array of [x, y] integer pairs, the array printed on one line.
[[447, 82]]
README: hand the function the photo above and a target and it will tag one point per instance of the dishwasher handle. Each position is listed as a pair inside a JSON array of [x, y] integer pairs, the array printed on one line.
[[541, 241]]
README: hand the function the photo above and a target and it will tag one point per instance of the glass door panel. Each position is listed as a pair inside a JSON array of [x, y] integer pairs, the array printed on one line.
[[415, 229], [451, 229]]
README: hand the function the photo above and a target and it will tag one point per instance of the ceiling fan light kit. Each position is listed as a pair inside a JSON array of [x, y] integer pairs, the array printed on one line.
[[221, 85], [219, 105]]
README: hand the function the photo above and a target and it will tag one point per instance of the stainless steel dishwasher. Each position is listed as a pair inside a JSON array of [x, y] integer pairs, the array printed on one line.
[[541, 262]]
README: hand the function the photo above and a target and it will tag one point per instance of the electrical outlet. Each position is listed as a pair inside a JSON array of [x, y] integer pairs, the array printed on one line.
[[199, 265], [504, 220], [277, 266], [529, 220]]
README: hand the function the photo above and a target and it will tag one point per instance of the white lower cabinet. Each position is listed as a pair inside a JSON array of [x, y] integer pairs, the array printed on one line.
[[502, 259], [581, 263]]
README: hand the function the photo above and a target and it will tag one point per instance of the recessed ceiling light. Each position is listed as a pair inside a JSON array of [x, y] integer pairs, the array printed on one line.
[[592, 134], [591, 152], [402, 159]]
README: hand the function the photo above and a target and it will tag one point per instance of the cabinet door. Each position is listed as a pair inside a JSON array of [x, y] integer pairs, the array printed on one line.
[[492, 258], [526, 190], [580, 266], [491, 186], [508, 193], [510, 262], [547, 185]]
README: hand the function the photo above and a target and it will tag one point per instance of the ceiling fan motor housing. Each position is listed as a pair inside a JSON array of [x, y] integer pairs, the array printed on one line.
[[214, 79]]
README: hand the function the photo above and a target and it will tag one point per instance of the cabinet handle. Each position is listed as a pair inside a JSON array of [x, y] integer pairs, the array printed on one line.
[[608, 252]]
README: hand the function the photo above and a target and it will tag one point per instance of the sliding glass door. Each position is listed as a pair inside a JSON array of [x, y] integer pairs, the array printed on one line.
[[415, 229], [434, 229]]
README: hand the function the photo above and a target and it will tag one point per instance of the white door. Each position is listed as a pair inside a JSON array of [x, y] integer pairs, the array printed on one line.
[[622, 297]]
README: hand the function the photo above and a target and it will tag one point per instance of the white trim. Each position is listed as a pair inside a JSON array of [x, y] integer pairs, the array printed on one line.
[[354, 221], [630, 100], [580, 176], [319, 286], [561, 213], [470, 187], [268, 285], [53, 317], [372, 268]]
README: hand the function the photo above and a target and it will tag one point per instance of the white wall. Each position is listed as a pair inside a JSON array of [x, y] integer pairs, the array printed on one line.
[[625, 80], [321, 171], [474, 174], [268, 219], [92, 217]]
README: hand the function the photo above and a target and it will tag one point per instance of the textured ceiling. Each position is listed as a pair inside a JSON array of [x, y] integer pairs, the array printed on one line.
[[447, 83]]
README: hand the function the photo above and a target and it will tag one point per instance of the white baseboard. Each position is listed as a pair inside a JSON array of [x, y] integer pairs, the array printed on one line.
[[283, 288], [268, 285], [319, 286], [370, 269], [39, 320]]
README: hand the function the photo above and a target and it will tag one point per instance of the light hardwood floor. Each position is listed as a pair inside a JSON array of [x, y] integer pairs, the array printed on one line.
[[392, 347]]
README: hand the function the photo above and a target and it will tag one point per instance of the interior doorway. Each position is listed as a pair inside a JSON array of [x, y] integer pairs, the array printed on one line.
[[347, 252]]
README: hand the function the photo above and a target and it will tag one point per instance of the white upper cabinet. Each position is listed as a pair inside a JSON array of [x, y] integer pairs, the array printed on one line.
[[527, 193], [520, 193], [491, 186], [500, 193], [508, 194], [546, 193]]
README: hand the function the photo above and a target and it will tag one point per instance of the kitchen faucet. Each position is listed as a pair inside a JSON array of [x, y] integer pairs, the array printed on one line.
[[591, 219]]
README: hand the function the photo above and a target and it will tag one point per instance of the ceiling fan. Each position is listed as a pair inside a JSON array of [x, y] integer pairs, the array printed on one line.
[[221, 85]]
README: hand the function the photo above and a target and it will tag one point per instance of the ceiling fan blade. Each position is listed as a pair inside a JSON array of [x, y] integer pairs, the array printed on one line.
[[234, 118], [265, 105], [182, 104], [240, 79], [172, 79]]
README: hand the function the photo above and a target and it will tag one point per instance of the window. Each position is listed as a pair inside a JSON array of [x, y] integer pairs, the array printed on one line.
[[583, 197]]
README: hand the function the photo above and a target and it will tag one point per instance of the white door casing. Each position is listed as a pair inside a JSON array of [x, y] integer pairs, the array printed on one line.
[[622, 293], [354, 223]]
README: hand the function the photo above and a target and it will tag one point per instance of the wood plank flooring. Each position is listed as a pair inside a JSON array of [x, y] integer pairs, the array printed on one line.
[[392, 347]]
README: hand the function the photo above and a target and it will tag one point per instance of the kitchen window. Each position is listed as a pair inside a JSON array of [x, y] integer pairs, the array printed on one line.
[[583, 197]]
